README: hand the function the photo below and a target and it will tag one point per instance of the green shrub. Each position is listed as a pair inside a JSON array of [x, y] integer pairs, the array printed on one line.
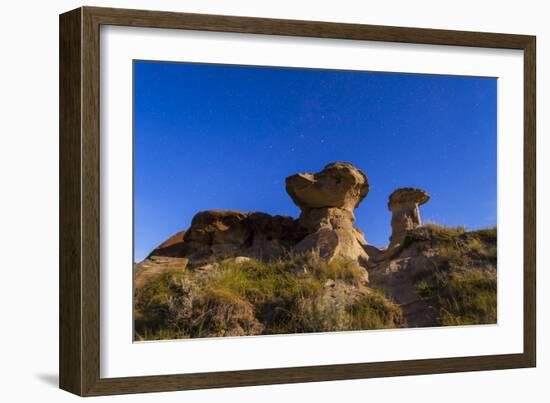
[[375, 311], [425, 289]]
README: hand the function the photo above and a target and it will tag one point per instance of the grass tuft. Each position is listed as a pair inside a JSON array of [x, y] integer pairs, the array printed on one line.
[[261, 298], [445, 233], [468, 298], [463, 284], [375, 311]]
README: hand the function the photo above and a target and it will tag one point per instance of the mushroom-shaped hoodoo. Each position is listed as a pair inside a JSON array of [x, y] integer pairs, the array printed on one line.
[[403, 203], [327, 200], [339, 185]]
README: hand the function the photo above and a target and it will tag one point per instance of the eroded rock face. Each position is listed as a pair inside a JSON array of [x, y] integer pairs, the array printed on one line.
[[327, 200], [397, 278], [222, 234]]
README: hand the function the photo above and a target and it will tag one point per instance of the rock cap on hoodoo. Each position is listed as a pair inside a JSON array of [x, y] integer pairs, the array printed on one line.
[[339, 184], [408, 195]]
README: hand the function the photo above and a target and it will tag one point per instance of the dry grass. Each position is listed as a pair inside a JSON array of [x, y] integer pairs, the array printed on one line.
[[468, 298], [463, 285], [291, 296], [445, 233], [464, 249], [375, 311], [259, 298]]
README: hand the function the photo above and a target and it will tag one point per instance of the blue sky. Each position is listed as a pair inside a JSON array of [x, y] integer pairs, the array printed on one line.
[[225, 137]]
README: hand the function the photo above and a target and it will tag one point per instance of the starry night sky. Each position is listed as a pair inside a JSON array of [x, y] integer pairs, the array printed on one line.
[[225, 137]]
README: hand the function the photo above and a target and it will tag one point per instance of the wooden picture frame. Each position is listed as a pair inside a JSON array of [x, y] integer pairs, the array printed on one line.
[[80, 184]]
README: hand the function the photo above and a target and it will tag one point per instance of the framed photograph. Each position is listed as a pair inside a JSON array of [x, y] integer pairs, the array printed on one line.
[[248, 201]]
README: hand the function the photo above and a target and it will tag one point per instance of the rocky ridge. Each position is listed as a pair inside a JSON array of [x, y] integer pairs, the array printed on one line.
[[325, 227], [327, 200]]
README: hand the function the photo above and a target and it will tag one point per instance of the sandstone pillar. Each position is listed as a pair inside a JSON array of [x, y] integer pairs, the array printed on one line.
[[403, 204], [327, 200]]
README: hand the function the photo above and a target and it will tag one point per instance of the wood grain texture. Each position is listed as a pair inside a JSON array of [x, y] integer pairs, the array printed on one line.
[[530, 202], [316, 29], [90, 202], [70, 314], [80, 196], [305, 374]]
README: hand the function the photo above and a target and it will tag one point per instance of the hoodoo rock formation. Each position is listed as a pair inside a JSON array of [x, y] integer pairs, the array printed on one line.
[[327, 201], [237, 273], [403, 204]]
